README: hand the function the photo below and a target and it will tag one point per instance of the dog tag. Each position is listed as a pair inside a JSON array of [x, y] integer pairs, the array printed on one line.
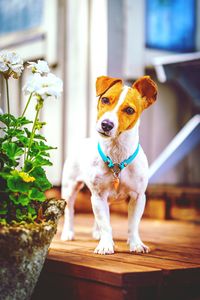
[[116, 183]]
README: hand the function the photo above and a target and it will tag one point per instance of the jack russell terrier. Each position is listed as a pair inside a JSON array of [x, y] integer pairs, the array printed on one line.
[[114, 165]]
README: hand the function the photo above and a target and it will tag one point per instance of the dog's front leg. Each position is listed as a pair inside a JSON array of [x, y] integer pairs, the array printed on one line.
[[102, 216], [135, 210], [95, 231]]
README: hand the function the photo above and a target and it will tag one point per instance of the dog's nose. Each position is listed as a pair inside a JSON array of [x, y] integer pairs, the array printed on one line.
[[107, 125]]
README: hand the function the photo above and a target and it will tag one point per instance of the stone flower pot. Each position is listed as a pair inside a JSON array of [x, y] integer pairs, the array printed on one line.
[[23, 249]]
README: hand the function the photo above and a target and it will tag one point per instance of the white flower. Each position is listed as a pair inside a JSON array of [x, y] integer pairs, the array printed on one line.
[[3, 66], [11, 64], [33, 84], [1, 111], [40, 67], [44, 86]]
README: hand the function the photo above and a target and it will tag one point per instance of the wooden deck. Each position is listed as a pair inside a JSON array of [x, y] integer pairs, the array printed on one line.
[[170, 271]]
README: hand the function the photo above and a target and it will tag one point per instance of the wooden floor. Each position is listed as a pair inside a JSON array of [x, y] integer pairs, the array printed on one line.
[[170, 271]]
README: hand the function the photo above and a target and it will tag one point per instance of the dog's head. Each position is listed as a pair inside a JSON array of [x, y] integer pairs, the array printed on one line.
[[119, 107]]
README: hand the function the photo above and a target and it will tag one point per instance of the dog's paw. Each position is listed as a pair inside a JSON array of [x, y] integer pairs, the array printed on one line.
[[67, 235], [105, 246], [96, 234], [138, 247]]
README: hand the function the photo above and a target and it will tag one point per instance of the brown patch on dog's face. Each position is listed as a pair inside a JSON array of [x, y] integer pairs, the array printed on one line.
[[130, 110], [140, 96], [109, 99]]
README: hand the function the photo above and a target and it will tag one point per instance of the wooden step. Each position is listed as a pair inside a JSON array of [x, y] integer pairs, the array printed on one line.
[[173, 202], [170, 271]]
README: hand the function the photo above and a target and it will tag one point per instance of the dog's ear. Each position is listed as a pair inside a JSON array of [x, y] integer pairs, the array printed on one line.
[[147, 89], [103, 83]]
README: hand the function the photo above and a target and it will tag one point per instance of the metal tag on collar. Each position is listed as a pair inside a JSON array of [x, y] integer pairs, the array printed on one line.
[[116, 169], [116, 181]]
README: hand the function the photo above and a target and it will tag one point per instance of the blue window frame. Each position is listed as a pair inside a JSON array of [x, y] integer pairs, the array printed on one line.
[[19, 15], [171, 25]]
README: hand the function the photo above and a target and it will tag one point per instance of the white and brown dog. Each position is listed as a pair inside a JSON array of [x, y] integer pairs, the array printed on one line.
[[114, 165]]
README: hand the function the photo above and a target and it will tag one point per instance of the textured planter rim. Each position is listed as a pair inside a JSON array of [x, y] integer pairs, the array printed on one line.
[[23, 249]]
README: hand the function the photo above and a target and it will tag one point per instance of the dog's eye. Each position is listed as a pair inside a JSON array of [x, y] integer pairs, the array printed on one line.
[[105, 100], [129, 110]]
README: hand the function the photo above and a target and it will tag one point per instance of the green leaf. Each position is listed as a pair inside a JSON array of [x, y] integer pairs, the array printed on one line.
[[8, 119], [24, 140], [12, 150], [23, 121], [3, 221], [35, 194], [16, 184], [39, 137], [20, 199], [7, 164], [14, 198], [3, 177], [40, 161], [23, 199], [41, 180], [28, 133], [28, 165], [20, 215], [31, 211], [3, 211], [42, 146], [44, 153], [14, 132], [3, 208]]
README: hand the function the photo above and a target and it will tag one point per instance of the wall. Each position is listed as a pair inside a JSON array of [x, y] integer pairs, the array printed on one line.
[[82, 56], [160, 123]]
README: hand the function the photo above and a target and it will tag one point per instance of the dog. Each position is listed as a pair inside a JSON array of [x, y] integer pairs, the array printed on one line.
[[113, 164]]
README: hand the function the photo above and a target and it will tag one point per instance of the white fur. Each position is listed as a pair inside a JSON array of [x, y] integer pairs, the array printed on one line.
[[87, 166]]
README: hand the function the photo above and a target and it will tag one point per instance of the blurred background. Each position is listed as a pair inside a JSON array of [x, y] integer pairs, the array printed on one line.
[[83, 39]]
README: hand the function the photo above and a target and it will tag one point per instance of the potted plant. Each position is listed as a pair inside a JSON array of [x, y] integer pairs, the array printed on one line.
[[27, 219]]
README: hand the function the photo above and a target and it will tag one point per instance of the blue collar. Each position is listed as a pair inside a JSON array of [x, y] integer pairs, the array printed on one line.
[[115, 167]]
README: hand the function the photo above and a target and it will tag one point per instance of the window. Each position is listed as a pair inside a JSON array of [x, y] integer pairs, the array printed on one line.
[[171, 25], [30, 28], [20, 15]]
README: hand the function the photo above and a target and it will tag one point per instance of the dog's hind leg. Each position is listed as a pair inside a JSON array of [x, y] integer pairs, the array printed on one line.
[[69, 193]]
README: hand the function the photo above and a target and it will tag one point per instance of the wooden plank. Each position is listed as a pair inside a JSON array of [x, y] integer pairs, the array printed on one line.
[[56, 286], [131, 263], [169, 253], [178, 254], [98, 268]]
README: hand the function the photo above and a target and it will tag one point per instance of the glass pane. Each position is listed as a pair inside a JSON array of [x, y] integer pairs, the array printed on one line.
[[170, 25], [18, 15]]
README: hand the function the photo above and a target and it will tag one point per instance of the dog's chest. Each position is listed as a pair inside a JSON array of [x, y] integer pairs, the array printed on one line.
[[100, 179], [104, 181]]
